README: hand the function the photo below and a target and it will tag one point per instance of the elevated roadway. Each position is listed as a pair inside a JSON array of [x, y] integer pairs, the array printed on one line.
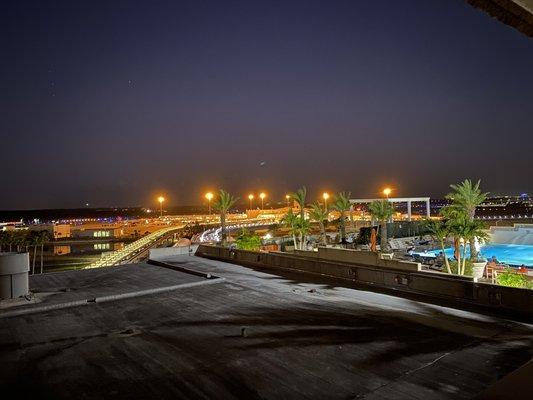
[[134, 250]]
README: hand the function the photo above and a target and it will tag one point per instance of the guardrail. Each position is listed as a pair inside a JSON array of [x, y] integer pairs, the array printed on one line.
[[127, 252]]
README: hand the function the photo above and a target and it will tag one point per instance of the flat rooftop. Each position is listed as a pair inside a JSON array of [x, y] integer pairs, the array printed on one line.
[[256, 335]]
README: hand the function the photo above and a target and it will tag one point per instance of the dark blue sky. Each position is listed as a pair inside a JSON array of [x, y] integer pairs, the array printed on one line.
[[111, 102]]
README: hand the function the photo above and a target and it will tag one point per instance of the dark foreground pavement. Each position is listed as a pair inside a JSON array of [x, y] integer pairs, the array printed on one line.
[[258, 336]]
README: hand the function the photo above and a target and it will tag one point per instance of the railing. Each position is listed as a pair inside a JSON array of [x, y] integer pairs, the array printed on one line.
[[132, 249]]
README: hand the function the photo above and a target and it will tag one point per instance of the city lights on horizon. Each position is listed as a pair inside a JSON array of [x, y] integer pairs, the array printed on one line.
[[325, 196]]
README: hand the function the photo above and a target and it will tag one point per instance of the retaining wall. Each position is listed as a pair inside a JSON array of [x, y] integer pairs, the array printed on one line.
[[453, 288], [162, 253]]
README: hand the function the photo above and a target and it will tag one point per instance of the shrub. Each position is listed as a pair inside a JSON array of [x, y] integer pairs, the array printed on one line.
[[248, 241], [468, 267], [510, 278]]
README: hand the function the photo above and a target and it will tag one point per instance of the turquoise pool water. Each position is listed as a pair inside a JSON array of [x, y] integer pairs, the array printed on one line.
[[513, 254]]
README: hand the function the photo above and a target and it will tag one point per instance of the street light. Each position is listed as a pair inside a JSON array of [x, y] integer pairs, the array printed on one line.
[[160, 199], [325, 196], [288, 198], [387, 191], [209, 197], [262, 196], [251, 198]]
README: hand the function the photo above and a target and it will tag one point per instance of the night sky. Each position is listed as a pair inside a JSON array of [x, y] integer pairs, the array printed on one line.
[[113, 102]]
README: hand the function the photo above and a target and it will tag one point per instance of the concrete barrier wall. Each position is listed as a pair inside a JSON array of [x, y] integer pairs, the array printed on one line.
[[459, 289], [14, 268], [165, 252], [369, 258]]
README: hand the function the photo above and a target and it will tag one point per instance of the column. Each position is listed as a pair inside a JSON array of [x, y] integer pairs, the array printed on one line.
[[428, 210], [408, 210]]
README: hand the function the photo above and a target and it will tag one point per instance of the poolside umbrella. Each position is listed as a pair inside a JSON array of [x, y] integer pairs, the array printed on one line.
[[373, 240]]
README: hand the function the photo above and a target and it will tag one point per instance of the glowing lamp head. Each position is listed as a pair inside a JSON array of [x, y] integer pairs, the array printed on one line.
[[250, 196], [325, 195], [262, 195], [287, 196], [160, 199], [209, 196], [387, 191]]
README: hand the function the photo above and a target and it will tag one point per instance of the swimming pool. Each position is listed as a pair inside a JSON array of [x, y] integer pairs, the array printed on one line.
[[513, 254]]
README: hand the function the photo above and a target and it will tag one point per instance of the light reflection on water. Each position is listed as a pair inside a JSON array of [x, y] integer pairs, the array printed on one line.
[[91, 248]]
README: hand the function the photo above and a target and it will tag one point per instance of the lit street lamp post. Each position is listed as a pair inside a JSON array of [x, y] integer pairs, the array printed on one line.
[[262, 196], [288, 198], [387, 191], [209, 197], [251, 198], [160, 199], [325, 196]]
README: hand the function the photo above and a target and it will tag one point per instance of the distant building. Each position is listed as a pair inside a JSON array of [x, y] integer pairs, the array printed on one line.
[[97, 232], [56, 231]]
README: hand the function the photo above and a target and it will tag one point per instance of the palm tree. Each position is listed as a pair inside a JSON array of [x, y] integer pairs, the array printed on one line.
[[4, 240], [299, 196], [43, 237], [468, 230], [382, 211], [342, 204], [466, 196], [303, 226], [451, 215], [10, 239], [291, 220], [440, 231], [34, 240], [20, 239], [320, 215], [222, 204]]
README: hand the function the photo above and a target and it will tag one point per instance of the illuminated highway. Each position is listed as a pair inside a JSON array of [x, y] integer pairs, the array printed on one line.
[[133, 249], [214, 234], [136, 249]]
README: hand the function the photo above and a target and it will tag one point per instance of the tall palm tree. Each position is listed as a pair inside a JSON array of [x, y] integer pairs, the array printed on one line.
[[320, 215], [382, 211], [222, 204], [34, 240], [342, 204], [440, 231], [299, 196], [466, 196], [43, 237], [291, 220]]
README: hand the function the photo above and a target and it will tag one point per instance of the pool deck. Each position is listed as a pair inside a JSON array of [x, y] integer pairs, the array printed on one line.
[[498, 250]]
